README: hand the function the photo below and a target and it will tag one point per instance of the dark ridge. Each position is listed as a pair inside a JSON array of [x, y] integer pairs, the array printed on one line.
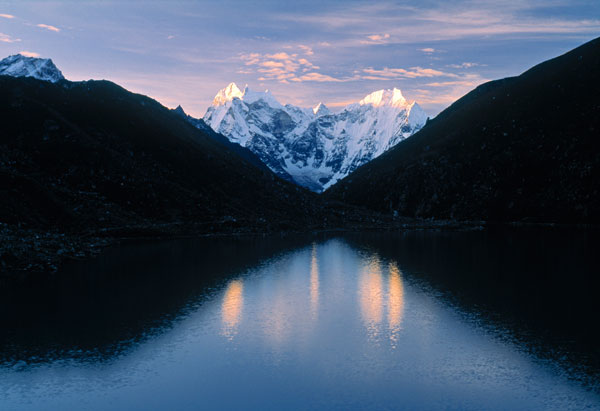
[[524, 148], [90, 155], [220, 138]]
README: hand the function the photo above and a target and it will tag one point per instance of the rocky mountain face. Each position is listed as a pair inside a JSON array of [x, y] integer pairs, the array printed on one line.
[[524, 148], [313, 147], [21, 66]]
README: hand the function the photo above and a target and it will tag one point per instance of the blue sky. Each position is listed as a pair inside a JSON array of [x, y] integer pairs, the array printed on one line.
[[183, 52]]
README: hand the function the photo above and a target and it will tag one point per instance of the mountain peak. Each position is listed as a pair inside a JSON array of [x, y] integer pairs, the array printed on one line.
[[389, 97], [227, 94], [180, 111], [313, 146], [19, 65], [232, 91], [320, 110]]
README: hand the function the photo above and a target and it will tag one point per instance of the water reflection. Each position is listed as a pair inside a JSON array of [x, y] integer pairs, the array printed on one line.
[[321, 325], [371, 296], [372, 299], [395, 302], [231, 308], [314, 282]]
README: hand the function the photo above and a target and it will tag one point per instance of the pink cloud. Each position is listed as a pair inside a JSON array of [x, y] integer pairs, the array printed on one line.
[[414, 72], [49, 27], [5, 38], [28, 54]]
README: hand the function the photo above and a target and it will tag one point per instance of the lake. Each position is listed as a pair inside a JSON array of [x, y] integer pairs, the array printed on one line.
[[501, 318]]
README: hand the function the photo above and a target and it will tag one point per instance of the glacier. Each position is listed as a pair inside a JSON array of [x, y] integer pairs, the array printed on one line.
[[314, 147]]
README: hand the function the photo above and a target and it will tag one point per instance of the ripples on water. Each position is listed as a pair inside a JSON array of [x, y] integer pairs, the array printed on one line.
[[417, 321]]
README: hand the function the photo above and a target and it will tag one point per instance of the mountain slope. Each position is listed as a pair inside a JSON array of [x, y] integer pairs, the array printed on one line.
[[91, 155], [313, 147], [236, 148], [521, 148]]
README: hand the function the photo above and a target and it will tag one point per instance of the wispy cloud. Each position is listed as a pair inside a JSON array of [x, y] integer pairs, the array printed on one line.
[[281, 56], [414, 72], [282, 66], [428, 50], [28, 54], [377, 39], [49, 27], [451, 20], [5, 38], [322, 78], [7, 16], [466, 64], [307, 50]]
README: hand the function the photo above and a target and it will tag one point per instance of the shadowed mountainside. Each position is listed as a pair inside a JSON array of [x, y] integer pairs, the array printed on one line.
[[524, 148], [91, 155]]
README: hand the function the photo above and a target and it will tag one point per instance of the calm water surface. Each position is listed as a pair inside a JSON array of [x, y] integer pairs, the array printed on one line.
[[494, 319]]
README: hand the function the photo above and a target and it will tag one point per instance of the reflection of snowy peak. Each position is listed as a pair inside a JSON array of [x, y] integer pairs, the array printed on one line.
[[314, 147], [21, 66]]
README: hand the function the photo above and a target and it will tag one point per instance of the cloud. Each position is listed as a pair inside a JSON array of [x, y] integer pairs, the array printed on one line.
[[170, 37], [464, 65], [453, 20], [321, 78], [283, 67], [251, 59], [377, 39], [279, 56], [270, 63], [428, 50], [5, 38], [414, 72], [7, 16], [307, 64], [49, 27], [307, 50], [28, 54]]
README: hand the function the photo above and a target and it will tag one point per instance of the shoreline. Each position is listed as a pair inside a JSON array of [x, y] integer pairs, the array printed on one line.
[[24, 251]]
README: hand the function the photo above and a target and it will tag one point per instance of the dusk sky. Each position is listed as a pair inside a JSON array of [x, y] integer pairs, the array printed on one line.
[[183, 52]]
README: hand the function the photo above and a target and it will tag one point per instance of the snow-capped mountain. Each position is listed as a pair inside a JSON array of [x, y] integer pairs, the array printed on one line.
[[21, 66], [314, 147]]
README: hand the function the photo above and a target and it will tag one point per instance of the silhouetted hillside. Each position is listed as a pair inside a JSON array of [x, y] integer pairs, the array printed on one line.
[[89, 155], [521, 148]]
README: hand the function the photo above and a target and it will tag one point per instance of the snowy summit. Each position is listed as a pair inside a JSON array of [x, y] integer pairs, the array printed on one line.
[[313, 146], [22, 66]]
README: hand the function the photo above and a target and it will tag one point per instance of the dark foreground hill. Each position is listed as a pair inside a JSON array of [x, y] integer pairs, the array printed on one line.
[[522, 148], [94, 158], [91, 154]]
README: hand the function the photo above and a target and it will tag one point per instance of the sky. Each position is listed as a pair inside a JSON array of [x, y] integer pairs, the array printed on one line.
[[304, 52]]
